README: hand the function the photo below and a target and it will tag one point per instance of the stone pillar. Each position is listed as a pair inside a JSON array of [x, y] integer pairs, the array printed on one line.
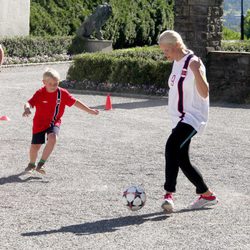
[[14, 18], [199, 22]]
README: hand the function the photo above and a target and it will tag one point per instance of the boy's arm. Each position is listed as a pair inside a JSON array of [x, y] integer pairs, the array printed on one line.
[[85, 108], [27, 111]]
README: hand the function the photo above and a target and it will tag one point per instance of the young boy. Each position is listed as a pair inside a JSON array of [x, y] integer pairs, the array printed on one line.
[[50, 102]]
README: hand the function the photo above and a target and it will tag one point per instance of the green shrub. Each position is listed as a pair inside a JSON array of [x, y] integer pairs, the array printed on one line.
[[228, 34], [133, 23], [241, 46], [131, 66], [35, 46], [139, 71], [138, 23], [58, 17], [147, 52], [247, 24], [95, 67]]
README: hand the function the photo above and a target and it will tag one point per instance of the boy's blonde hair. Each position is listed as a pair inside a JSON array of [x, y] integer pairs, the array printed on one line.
[[171, 37], [51, 73]]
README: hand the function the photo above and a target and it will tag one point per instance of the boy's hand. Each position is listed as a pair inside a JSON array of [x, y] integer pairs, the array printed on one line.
[[93, 111], [26, 112]]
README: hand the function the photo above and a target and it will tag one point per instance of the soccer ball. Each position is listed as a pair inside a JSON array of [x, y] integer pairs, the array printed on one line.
[[134, 198]]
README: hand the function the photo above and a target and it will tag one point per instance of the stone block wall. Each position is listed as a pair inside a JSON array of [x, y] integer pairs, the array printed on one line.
[[199, 23], [14, 18], [228, 74]]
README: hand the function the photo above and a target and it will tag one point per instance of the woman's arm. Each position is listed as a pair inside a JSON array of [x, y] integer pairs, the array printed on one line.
[[200, 78]]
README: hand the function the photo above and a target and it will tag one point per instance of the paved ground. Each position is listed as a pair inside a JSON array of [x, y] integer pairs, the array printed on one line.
[[78, 204]]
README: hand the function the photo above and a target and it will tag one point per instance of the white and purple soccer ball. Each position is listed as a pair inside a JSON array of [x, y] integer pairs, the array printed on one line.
[[134, 198]]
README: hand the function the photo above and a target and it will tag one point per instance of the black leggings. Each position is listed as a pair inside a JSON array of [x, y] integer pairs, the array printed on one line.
[[177, 155]]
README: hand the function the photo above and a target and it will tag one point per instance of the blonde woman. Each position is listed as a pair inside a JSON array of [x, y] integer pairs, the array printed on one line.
[[188, 106]]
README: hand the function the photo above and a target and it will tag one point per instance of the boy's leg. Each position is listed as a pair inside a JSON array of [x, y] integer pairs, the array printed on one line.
[[37, 140], [49, 146], [51, 142], [34, 148]]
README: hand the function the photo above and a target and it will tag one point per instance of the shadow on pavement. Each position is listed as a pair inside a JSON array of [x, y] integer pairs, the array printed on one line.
[[103, 226], [186, 210], [137, 105], [16, 179]]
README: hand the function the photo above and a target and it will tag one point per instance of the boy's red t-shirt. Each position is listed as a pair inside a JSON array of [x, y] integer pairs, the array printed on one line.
[[45, 104]]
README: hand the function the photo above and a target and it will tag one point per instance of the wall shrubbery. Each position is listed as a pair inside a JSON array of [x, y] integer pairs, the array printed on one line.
[[239, 46], [36, 46], [36, 49], [42, 49]]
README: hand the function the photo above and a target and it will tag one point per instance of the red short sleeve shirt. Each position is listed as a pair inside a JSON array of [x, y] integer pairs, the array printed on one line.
[[45, 104]]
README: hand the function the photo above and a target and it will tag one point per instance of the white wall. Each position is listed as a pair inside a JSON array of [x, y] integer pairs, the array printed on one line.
[[14, 17]]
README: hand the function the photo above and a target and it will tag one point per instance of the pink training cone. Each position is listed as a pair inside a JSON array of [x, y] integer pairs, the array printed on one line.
[[108, 105], [4, 118]]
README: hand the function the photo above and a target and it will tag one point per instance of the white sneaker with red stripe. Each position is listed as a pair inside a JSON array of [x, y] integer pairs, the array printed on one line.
[[204, 201], [168, 203]]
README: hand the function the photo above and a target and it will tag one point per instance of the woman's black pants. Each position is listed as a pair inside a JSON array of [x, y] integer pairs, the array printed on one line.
[[177, 155]]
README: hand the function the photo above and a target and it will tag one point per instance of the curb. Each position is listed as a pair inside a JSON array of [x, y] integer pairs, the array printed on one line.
[[34, 64], [116, 94]]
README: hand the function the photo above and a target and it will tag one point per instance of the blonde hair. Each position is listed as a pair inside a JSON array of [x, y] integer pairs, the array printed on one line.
[[51, 73], [171, 37]]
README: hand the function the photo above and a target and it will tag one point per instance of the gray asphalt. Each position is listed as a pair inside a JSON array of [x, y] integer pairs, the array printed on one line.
[[78, 204]]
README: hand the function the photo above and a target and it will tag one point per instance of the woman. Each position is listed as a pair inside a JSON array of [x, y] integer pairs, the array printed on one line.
[[188, 108]]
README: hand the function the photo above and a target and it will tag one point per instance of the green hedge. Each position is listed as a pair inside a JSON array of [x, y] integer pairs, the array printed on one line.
[[242, 46], [27, 47], [35, 46], [133, 23], [138, 66]]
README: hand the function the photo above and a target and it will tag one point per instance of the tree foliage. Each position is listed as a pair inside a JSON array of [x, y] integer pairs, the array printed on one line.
[[133, 22], [247, 24]]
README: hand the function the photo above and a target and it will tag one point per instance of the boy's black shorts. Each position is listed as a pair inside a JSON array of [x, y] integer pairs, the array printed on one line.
[[39, 138]]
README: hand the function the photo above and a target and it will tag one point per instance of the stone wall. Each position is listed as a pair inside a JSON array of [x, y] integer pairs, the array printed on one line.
[[199, 23], [229, 76], [14, 17]]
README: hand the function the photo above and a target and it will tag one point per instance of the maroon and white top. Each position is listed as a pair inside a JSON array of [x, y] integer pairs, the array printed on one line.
[[184, 102]]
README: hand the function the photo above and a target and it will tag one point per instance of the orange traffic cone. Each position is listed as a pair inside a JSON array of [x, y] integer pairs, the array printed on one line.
[[4, 118], [108, 105]]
